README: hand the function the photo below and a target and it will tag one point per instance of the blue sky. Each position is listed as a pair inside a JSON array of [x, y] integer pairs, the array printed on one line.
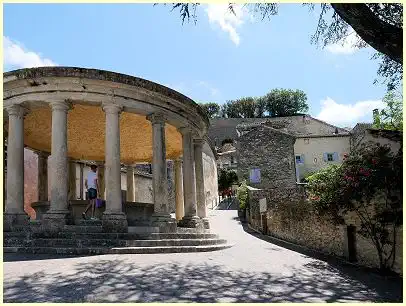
[[222, 57]]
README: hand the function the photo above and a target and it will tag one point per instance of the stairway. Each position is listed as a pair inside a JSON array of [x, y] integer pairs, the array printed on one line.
[[87, 238]]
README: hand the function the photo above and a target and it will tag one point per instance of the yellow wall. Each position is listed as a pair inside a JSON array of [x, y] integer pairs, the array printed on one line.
[[313, 149]]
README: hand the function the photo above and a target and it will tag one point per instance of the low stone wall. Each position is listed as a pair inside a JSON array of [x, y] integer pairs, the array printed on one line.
[[138, 214], [297, 223]]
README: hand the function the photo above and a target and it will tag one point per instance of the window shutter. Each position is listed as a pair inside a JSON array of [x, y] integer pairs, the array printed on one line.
[[335, 156], [325, 157], [302, 158]]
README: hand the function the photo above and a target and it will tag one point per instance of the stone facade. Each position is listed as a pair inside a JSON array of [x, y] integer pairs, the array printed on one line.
[[223, 128], [364, 133], [210, 180], [272, 152], [313, 151]]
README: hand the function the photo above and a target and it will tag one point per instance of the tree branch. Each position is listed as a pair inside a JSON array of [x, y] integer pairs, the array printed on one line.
[[381, 36]]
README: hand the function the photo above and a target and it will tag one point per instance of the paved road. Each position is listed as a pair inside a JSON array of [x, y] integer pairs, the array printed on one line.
[[253, 270]]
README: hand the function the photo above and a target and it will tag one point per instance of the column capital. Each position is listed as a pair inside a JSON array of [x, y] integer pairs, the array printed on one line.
[[65, 105], [156, 118], [112, 108], [99, 163], [185, 130], [198, 141], [16, 110], [42, 154]]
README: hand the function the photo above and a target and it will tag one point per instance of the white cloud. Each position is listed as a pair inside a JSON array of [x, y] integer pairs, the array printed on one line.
[[228, 22], [16, 56], [348, 114], [345, 46], [213, 91]]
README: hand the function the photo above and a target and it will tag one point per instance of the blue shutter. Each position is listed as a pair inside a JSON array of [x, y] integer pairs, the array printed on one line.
[[302, 158], [325, 157], [335, 156]]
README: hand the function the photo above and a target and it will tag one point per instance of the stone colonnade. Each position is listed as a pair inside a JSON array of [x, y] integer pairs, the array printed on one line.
[[189, 179]]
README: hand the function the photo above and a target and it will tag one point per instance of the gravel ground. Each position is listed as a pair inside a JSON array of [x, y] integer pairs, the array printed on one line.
[[253, 270]]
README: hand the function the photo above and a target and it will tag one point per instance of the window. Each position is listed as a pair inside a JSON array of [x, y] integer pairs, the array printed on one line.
[[306, 140], [329, 157], [299, 159], [232, 159]]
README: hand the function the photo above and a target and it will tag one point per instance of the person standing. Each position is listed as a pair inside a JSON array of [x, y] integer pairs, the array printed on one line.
[[92, 187]]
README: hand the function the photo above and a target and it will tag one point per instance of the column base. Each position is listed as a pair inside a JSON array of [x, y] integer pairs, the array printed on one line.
[[165, 222], [15, 222], [191, 222], [206, 223], [114, 222], [54, 221]]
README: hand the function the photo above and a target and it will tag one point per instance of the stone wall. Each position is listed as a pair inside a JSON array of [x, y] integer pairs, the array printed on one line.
[[271, 152], [30, 181], [210, 180], [297, 223], [143, 188]]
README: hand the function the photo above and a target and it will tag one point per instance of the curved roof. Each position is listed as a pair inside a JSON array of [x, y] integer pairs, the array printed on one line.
[[87, 90]]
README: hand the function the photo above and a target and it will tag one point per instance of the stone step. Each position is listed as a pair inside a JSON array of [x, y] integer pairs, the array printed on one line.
[[118, 250], [90, 223], [83, 228], [124, 236], [143, 229], [63, 243], [185, 230]]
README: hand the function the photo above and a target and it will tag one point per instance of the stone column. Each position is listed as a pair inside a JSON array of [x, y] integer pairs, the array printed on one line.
[[14, 212], [190, 218], [101, 180], [200, 194], [180, 210], [114, 219], [161, 216], [81, 180], [72, 180], [130, 184], [58, 214], [42, 176]]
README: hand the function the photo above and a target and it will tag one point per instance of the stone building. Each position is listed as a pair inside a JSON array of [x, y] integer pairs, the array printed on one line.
[[227, 157], [317, 144], [363, 133]]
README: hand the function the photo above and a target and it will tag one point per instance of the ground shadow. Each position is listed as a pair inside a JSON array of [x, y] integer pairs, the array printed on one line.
[[12, 257], [228, 204], [389, 288], [122, 281]]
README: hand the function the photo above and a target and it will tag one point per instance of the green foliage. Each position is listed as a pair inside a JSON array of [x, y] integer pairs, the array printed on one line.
[[227, 140], [242, 195], [390, 118], [211, 109], [226, 179], [368, 183], [286, 102], [278, 102]]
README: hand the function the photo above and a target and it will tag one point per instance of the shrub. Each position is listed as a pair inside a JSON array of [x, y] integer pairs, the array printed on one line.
[[242, 195], [368, 183]]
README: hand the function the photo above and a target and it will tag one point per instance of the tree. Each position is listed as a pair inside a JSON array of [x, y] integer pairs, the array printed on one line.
[[260, 110], [390, 118], [378, 25], [211, 109], [369, 184], [226, 179], [286, 102]]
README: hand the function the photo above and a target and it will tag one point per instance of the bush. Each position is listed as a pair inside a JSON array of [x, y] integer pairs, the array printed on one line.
[[368, 183], [242, 195]]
